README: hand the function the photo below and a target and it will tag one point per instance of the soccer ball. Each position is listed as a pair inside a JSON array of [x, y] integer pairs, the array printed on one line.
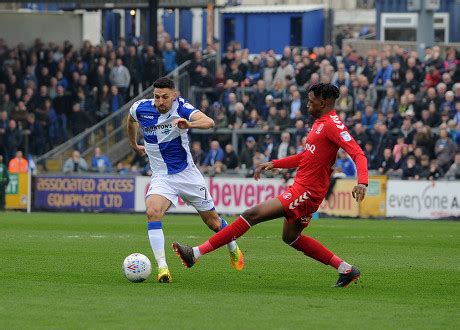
[[137, 267]]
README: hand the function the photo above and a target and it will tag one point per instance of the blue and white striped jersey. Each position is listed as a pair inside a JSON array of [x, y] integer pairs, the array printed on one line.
[[167, 146]]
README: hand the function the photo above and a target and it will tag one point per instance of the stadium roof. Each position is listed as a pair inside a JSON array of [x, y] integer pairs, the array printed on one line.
[[271, 9]]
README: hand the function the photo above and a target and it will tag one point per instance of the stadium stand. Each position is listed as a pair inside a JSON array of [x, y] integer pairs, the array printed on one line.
[[403, 111]]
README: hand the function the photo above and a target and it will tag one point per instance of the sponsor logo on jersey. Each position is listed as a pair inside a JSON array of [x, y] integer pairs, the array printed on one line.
[[287, 196], [337, 121], [301, 199], [310, 147], [147, 117], [164, 128], [320, 127], [345, 136]]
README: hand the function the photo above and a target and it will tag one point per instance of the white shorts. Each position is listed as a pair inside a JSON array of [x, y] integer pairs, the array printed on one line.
[[188, 184]]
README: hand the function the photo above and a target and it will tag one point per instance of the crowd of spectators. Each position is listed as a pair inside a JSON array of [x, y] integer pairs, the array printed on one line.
[[403, 111], [50, 92]]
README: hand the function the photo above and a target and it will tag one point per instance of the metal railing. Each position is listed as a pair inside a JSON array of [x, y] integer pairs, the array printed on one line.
[[110, 134]]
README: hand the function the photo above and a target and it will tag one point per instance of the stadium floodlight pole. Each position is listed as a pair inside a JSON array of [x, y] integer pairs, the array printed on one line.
[[153, 9], [425, 27]]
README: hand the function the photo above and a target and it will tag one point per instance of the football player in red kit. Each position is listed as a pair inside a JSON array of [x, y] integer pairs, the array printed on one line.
[[314, 167]]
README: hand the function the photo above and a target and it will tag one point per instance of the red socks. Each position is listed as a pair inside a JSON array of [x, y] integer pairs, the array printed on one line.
[[226, 235], [316, 250]]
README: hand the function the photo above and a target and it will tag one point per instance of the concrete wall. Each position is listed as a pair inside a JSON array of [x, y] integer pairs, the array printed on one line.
[[16, 27]]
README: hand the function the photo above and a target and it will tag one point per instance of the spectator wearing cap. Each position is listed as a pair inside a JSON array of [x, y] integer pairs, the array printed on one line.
[[268, 147], [445, 117], [248, 152]]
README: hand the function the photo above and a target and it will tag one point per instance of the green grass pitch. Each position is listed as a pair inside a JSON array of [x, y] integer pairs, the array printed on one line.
[[61, 271]]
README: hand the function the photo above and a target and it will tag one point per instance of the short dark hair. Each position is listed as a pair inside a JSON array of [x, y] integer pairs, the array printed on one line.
[[325, 91], [163, 82]]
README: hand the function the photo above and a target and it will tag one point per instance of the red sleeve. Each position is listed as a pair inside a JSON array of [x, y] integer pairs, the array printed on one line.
[[344, 140], [288, 162]]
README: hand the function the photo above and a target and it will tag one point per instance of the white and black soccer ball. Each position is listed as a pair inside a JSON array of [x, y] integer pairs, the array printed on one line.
[[137, 267]]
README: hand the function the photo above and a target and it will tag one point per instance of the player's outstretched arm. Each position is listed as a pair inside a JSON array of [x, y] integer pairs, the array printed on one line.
[[288, 162], [344, 140], [132, 128], [198, 120]]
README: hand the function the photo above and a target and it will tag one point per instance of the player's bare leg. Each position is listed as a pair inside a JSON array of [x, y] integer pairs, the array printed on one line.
[[268, 210], [216, 223], [156, 206], [292, 235]]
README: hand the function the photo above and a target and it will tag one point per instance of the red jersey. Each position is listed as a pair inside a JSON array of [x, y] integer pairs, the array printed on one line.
[[315, 164]]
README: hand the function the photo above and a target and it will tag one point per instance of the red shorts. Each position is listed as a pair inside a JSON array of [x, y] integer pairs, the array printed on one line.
[[298, 205]]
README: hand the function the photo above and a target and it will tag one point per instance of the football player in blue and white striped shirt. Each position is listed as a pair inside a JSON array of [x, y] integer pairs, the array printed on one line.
[[165, 121]]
